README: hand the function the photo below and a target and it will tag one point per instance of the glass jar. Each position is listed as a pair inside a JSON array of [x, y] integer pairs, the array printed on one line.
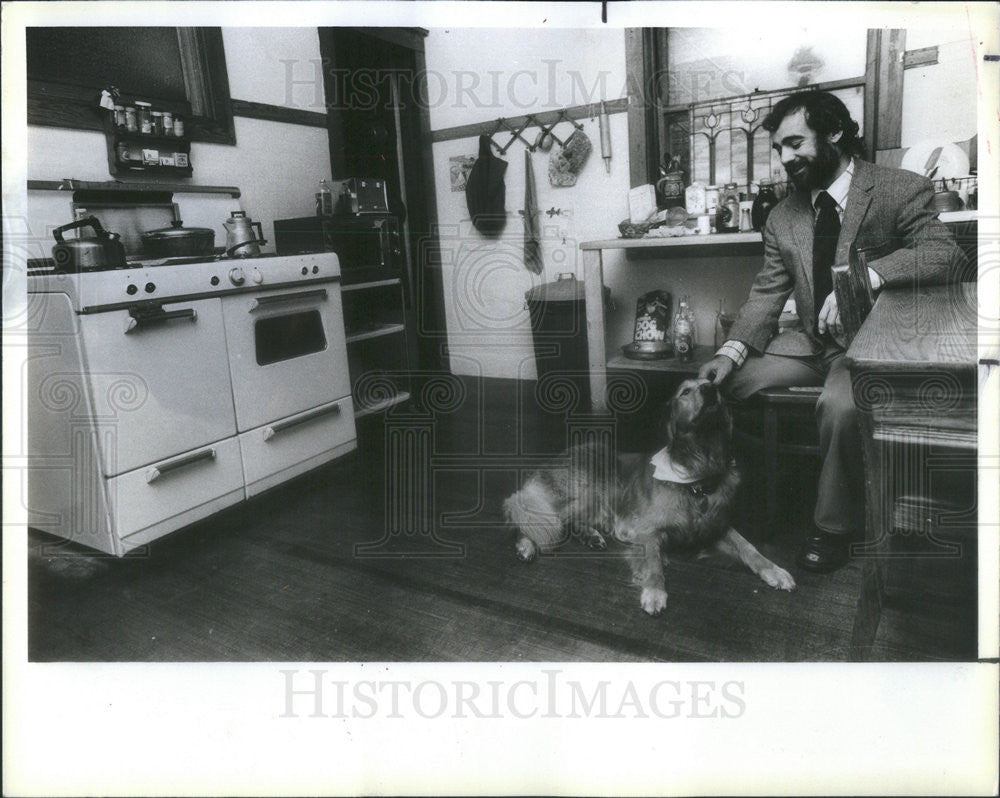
[[157, 123], [711, 198], [145, 117], [178, 126], [131, 119], [168, 123]]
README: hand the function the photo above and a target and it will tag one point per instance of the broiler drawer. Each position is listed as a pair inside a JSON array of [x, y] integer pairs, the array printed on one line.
[[278, 451], [173, 492]]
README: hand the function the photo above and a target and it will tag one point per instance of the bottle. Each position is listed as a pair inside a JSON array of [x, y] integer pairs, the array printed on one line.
[[762, 205], [684, 332], [324, 199], [720, 333], [728, 214]]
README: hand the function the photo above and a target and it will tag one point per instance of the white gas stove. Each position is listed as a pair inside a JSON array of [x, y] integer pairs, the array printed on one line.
[[162, 392]]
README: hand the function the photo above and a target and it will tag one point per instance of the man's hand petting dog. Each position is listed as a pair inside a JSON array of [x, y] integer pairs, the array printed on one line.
[[717, 369]]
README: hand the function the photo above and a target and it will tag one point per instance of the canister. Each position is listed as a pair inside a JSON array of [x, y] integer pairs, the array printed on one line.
[[168, 123], [711, 198], [694, 199]]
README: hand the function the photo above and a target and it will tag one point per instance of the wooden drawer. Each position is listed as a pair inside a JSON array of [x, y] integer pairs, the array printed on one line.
[[278, 451], [168, 494]]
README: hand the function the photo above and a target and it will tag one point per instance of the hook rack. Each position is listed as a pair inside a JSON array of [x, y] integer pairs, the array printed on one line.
[[544, 120]]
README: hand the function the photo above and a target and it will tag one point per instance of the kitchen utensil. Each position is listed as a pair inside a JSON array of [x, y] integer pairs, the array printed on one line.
[[240, 238], [178, 241], [605, 137], [951, 161], [947, 201], [103, 250]]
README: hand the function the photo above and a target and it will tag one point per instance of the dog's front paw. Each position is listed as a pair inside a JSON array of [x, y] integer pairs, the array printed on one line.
[[526, 549], [777, 577], [594, 540], [653, 600]]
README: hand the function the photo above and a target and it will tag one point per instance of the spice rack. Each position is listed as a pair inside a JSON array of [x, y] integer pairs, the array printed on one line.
[[132, 151]]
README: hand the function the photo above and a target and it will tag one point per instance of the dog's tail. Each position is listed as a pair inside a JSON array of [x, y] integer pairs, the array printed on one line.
[[533, 511]]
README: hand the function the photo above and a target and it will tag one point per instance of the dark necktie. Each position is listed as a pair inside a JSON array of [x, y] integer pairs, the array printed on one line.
[[825, 235]]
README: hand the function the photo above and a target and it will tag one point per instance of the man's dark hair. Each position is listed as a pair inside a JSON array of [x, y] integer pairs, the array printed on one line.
[[825, 113]]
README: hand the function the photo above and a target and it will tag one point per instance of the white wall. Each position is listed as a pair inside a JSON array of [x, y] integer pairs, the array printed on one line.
[[275, 165], [939, 100], [485, 279]]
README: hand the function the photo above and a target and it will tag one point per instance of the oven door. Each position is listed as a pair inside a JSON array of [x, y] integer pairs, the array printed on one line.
[[286, 351], [158, 378]]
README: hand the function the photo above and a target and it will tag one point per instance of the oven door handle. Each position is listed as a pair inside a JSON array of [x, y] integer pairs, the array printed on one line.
[[167, 466], [277, 299], [281, 426], [140, 317]]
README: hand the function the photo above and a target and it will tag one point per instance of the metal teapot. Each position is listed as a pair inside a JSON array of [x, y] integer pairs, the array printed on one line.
[[103, 250], [240, 239]]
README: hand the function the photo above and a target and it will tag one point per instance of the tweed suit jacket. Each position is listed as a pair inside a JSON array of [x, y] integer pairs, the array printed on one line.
[[889, 214]]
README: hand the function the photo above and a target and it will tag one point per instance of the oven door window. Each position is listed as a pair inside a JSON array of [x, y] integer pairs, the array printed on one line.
[[288, 336]]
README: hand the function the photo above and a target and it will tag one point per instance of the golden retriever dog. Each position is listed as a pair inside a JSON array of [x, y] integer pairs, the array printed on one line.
[[679, 498]]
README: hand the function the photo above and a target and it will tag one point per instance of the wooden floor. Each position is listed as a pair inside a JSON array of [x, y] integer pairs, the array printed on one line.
[[288, 577]]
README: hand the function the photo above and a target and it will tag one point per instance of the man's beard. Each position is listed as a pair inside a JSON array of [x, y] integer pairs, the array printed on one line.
[[815, 171]]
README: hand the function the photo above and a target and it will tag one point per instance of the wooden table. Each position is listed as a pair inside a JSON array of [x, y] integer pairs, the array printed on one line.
[[913, 368]]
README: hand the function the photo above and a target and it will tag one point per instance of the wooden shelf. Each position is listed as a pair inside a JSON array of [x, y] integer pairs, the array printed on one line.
[[373, 284], [958, 216], [69, 184], [712, 240], [384, 329], [402, 396], [702, 354]]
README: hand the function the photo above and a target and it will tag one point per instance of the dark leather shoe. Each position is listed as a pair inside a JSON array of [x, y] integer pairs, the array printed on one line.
[[823, 553]]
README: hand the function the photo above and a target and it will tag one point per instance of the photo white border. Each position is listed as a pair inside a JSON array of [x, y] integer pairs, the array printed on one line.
[[184, 729]]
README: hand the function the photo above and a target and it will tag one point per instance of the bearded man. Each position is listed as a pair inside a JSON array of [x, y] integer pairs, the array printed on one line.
[[838, 199]]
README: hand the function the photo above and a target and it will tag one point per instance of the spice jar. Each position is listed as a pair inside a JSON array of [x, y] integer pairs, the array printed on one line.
[[168, 123], [143, 111], [131, 122], [157, 123]]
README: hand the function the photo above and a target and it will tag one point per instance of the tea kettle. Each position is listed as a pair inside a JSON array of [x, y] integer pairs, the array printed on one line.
[[102, 251], [240, 239]]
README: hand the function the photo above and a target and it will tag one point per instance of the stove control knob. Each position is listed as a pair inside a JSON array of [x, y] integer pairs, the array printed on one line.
[[236, 276], [150, 288], [256, 276], [132, 289]]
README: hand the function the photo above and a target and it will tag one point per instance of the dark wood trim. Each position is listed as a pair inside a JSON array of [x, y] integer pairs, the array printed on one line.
[[210, 117], [830, 85], [279, 113], [870, 125], [485, 128], [642, 115], [410, 38], [87, 185], [889, 133], [925, 56]]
